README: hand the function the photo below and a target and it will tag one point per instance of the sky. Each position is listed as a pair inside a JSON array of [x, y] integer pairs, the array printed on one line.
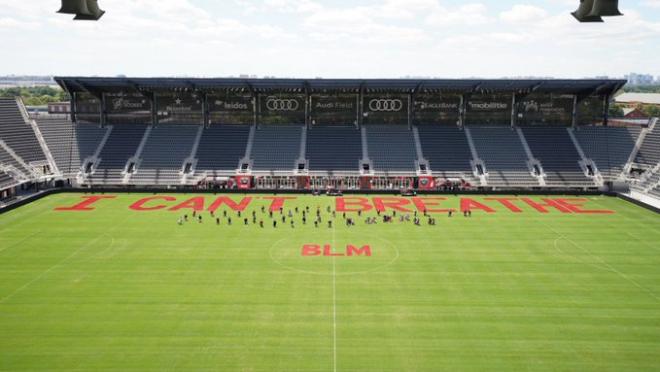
[[330, 39]]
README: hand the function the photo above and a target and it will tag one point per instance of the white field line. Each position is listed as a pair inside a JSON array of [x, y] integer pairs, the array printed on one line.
[[604, 264], [20, 241], [44, 273], [63, 261], [334, 304]]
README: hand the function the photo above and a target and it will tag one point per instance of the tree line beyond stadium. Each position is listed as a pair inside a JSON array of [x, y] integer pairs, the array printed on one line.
[[339, 102]]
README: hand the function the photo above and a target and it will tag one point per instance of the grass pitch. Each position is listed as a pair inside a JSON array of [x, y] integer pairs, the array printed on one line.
[[113, 288]]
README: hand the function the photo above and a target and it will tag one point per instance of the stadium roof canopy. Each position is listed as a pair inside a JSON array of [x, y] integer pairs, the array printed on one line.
[[643, 98], [580, 87]]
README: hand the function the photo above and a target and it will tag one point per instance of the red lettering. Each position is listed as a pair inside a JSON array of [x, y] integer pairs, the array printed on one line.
[[576, 204], [327, 251], [355, 251], [86, 205], [423, 204], [139, 205], [393, 203], [548, 203], [507, 202], [245, 202], [468, 204], [311, 250], [358, 204], [196, 204], [277, 202]]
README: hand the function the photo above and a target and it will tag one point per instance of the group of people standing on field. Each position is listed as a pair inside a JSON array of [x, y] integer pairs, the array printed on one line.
[[303, 215]]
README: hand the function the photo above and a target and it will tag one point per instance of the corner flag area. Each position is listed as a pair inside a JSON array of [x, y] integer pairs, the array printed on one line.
[[264, 282]]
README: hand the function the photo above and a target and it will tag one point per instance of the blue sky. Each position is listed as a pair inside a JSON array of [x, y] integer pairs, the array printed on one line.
[[340, 38]]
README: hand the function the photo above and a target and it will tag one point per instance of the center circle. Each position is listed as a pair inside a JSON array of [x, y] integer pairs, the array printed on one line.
[[339, 254]]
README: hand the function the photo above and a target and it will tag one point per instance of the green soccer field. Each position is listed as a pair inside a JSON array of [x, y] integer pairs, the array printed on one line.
[[114, 288]]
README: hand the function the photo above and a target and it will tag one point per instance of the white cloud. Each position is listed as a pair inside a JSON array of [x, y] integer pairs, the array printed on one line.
[[466, 15], [14, 24], [523, 13], [329, 38]]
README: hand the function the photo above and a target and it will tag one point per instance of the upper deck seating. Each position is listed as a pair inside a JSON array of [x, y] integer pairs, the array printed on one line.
[[391, 148], [276, 147], [332, 148], [553, 147], [504, 155]]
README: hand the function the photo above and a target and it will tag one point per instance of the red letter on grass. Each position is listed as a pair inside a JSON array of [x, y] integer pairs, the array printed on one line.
[[277, 202], [139, 205], [86, 205], [549, 203], [230, 203], [393, 203], [507, 203], [355, 251], [468, 204], [196, 204], [310, 250], [576, 204], [423, 204], [359, 204]]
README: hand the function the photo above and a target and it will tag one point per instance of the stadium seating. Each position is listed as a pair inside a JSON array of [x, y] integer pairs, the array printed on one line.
[[69, 143], [167, 147], [60, 137], [18, 134], [391, 148], [447, 150], [505, 168], [553, 147], [121, 145], [608, 147], [7, 160], [6, 181], [221, 148], [276, 147], [334, 148], [649, 152]]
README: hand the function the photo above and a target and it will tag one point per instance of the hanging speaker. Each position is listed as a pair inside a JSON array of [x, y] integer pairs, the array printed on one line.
[[94, 12], [583, 13], [605, 8], [74, 7]]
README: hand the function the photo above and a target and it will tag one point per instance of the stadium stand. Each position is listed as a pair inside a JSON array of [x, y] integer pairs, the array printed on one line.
[[163, 155], [649, 152], [608, 147], [18, 134], [61, 138], [505, 168], [70, 144], [119, 148], [391, 148], [447, 150], [221, 148], [553, 147], [6, 180], [649, 183], [7, 160], [334, 148], [276, 147]]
